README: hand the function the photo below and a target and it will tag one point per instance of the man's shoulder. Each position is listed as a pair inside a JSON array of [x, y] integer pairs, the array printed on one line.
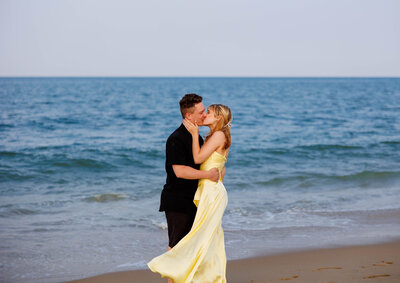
[[178, 134], [175, 133]]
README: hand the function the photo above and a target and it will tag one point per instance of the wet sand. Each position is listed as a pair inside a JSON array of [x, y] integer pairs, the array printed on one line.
[[370, 263]]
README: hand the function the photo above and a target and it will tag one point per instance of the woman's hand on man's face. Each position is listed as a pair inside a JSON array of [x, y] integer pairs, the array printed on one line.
[[192, 128]]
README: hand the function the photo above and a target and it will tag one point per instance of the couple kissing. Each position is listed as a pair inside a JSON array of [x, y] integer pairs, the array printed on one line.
[[194, 198]]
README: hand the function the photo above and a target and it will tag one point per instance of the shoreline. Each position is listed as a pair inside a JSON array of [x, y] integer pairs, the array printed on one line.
[[349, 264]]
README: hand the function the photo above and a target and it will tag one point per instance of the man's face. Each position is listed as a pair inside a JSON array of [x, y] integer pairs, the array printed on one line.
[[198, 115]]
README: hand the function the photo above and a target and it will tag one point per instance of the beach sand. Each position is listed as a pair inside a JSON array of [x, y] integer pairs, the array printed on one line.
[[371, 263]]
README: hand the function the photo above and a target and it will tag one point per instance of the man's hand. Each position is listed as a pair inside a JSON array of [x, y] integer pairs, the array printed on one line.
[[213, 174], [187, 172]]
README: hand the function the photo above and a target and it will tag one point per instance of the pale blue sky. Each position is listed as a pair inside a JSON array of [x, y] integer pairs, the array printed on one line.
[[200, 38]]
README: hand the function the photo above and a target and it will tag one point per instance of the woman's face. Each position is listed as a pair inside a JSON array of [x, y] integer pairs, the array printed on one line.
[[210, 118]]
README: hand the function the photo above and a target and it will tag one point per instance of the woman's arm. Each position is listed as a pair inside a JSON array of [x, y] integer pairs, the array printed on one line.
[[213, 143]]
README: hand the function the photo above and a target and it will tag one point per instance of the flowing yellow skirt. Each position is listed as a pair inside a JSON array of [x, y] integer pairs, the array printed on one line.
[[200, 256]]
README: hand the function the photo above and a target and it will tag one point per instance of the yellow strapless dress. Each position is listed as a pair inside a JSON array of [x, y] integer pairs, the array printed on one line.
[[200, 256]]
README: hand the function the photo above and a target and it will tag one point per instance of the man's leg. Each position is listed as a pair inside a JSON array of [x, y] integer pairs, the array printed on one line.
[[179, 224]]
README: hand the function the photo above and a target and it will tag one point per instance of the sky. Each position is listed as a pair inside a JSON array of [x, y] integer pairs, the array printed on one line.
[[262, 38]]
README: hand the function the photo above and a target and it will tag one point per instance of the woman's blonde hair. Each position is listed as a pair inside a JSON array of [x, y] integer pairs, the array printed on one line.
[[224, 124]]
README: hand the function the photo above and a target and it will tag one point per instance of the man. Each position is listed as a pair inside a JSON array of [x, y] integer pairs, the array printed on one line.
[[182, 173]]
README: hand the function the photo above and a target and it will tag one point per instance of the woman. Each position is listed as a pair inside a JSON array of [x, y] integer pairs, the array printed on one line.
[[200, 255]]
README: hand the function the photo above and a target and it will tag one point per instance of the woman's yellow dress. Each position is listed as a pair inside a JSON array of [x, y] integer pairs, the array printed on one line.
[[200, 256]]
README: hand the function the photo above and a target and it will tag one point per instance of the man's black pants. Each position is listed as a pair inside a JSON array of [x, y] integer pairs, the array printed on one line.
[[179, 224]]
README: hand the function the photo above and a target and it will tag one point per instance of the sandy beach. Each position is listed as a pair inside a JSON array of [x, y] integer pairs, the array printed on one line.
[[370, 263]]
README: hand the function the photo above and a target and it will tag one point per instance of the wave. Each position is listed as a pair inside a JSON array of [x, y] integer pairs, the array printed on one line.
[[369, 175], [14, 176], [5, 125], [54, 123], [37, 206], [329, 147], [66, 120], [294, 150], [12, 154], [312, 147], [363, 178], [42, 230], [45, 148], [391, 142], [130, 153], [106, 197], [283, 180], [18, 211], [160, 225], [50, 160], [145, 153], [129, 117], [80, 162]]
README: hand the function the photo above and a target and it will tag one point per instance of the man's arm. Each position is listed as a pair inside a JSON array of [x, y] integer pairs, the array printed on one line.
[[187, 172]]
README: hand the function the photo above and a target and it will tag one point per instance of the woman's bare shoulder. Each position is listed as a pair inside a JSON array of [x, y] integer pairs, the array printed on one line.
[[218, 134]]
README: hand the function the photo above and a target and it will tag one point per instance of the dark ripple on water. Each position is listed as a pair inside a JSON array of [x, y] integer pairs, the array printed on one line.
[[45, 160], [361, 179], [107, 198]]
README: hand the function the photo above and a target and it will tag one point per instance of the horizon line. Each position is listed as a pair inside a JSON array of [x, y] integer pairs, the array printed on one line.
[[238, 77]]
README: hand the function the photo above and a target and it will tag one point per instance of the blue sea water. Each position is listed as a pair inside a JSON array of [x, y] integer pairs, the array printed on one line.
[[314, 162]]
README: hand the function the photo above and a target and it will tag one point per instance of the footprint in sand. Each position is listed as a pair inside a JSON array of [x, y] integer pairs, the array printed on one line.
[[324, 268], [290, 278], [383, 263], [376, 276]]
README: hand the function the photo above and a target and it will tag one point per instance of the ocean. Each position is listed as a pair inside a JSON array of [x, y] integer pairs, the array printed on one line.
[[314, 162]]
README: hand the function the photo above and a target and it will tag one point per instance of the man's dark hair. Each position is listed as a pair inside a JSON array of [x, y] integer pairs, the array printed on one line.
[[188, 101]]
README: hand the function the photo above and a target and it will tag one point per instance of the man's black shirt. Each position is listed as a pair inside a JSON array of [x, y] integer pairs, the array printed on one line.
[[178, 193]]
